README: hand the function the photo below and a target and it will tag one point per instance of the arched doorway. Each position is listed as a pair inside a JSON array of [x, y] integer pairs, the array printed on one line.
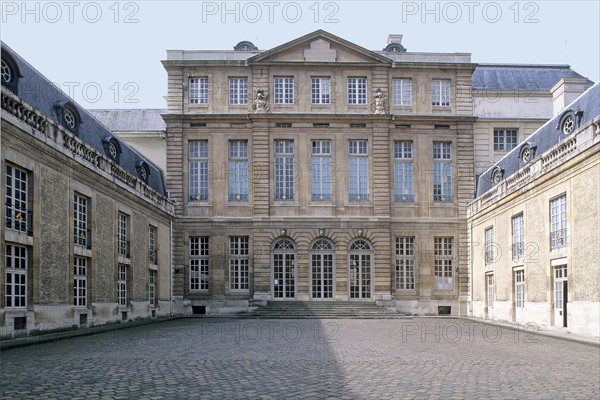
[[322, 275], [359, 270], [284, 273]]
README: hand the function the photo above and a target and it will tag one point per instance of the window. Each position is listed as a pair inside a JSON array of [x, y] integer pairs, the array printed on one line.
[[238, 91], [558, 222], [123, 235], [15, 267], [443, 250], [81, 233], [239, 270], [490, 290], [518, 241], [152, 250], [489, 246], [320, 90], [122, 285], [402, 92], [152, 287], [6, 72], [442, 172], [440, 93], [80, 267], [284, 170], [198, 90], [198, 155], [238, 170], [18, 217], [520, 288], [403, 172], [199, 263], [321, 170], [284, 90], [358, 169], [505, 139], [357, 90], [405, 263]]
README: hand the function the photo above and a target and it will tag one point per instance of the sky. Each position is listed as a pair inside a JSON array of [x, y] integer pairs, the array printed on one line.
[[107, 54]]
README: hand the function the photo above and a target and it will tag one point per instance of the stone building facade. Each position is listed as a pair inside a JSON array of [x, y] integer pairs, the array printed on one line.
[[86, 222]]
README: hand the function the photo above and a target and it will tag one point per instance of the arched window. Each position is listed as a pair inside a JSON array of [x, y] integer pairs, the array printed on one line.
[[359, 270], [322, 269], [283, 269]]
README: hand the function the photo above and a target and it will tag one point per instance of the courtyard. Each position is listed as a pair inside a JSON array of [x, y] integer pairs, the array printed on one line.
[[215, 358]]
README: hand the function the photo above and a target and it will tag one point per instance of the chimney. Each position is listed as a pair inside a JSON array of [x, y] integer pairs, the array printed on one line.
[[394, 38], [565, 91]]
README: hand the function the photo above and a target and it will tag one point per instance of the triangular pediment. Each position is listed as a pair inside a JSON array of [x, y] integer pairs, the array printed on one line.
[[319, 47]]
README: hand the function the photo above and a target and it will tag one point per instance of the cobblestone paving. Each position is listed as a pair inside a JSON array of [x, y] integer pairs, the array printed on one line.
[[308, 359]]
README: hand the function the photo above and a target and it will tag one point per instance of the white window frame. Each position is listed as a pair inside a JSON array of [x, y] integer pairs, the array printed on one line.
[[152, 248], [489, 247], [152, 287], [238, 170], [440, 92], [518, 237], [16, 193], [443, 250], [238, 91], [402, 92], [501, 139], [357, 90], [284, 169], [122, 279], [321, 170], [16, 268], [198, 170], [80, 273], [358, 170], [123, 235], [403, 171], [320, 90], [283, 87], [558, 222], [489, 284], [405, 263], [198, 90], [239, 263], [519, 275], [199, 263], [80, 220], [442, 172]]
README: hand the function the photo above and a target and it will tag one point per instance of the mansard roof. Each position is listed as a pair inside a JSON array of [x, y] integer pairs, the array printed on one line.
[[131, 120], [584, 110], [47, 98], [524, 77]]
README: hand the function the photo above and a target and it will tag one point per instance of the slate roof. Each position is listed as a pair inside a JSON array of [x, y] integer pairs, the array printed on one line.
[[131, 120], [37, 91], [520, 76], [545, 138]]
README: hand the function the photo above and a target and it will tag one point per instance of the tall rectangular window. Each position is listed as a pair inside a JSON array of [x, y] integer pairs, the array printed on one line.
[[284, 90], [238, 91], [405, 263], [519, 288], [489, 246], [402, 92], [198, 159], [152, 287], [199, 253], [358, 170], [357, 90], [238, 170], [122, 285], [403, 171], [442, 172], [558, 222], [18, 216], [15, 278], [443, 250], [440, 92], [505, 139], [321, 170], [518, 240], [284, 169], [239, 263], [198, 90], [81, 233], [80, 268], [123, 234], [320, 90], [152, 249], [490, 290]]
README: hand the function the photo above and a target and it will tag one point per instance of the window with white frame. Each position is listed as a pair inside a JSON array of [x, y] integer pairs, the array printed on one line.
[[152, 249], [490, 290], [320, 90], [489, 246], [358, 170], [518, 240], [440, 92], [198, 90], [17, 215], [81, 233], [284, 90], [442, 172], [505, 139], [15, 276], [199, 253], [239, 263], [443, 250], [238, 170], [122, 285], [403, 171], [123, 234], [357, 90], [238, 91], [519, 288], [402, 92], [284, 169], [558, 222], [405, 263], [198, 162], [80, 270], [321, 170], [152, 287]]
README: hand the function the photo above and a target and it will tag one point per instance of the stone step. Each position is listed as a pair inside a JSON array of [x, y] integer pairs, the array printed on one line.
[[322, 309]]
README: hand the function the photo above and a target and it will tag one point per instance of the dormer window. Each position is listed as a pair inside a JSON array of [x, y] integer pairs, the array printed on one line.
[[68, 116], [395, 48], [112, 148], [9, 72], [245, 46], [143, 171]]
